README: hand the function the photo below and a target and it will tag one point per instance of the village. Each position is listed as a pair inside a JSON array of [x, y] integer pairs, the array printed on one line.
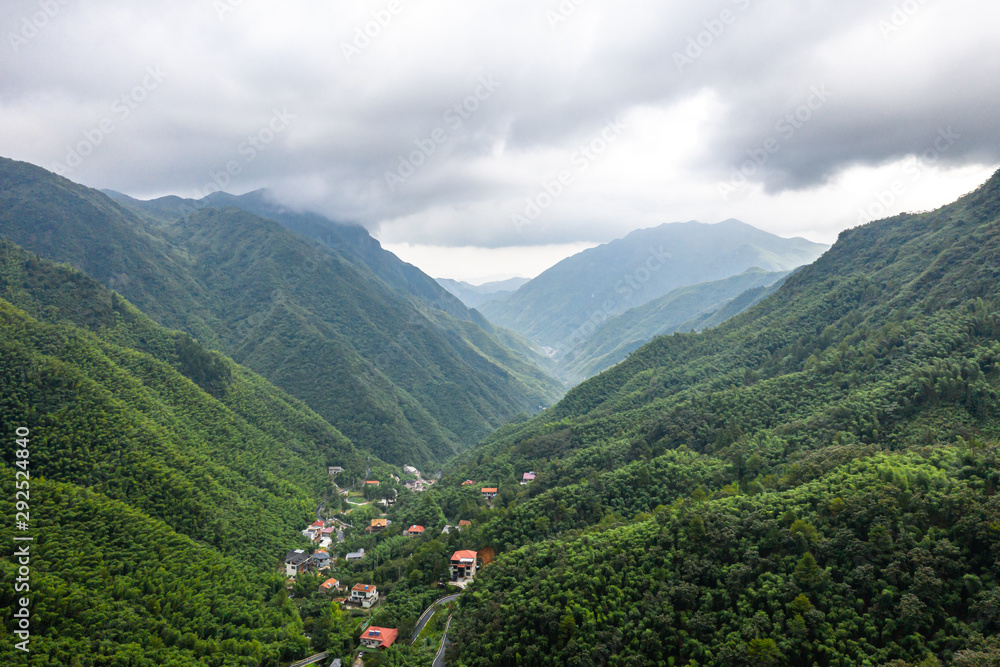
[[357, 538]]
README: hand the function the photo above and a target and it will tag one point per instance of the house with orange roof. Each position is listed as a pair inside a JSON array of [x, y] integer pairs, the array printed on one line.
[[378, 638], [413, 531], [463, 565], [468, 482], [377, 525], [330, 585], [489, 492], [464, 523], [365, 595]]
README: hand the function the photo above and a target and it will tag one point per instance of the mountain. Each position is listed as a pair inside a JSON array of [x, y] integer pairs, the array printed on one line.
[[689, 308], [398, 376], [165, 482], [814, 481], [561, 305], [474, 296]]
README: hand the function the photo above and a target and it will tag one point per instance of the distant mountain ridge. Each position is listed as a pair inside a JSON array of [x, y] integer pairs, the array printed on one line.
[[557, 308], [690, 308], [474, 296]]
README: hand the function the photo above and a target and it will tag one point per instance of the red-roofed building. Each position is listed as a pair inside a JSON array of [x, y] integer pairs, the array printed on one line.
[[527, 477], [414, 530], [365, 595], [489, 492], [379, 638], [373, 482], [468, 482], [464, 523], [330, 585], [463, 565]]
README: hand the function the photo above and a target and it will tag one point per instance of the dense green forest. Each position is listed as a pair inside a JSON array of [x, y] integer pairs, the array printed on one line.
[[381, 353], [166, 483], [812, 482]]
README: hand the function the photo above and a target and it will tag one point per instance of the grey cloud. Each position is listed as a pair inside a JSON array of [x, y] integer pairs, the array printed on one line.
[[354, 119]]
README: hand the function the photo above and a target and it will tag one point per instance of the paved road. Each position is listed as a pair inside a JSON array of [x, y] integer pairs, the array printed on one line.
[[310, 660], [320, 509], [439, 658], [426, 616]]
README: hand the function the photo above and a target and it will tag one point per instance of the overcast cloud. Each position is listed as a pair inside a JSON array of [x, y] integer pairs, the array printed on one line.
[[512, 124]]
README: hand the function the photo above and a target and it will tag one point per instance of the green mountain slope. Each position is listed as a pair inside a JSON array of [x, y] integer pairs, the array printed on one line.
[[564, 303], [684, 309], [166, 482], [398, 376], [814, 481]]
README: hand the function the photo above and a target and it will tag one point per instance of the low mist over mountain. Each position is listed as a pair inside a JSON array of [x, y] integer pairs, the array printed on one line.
[[563, 305]]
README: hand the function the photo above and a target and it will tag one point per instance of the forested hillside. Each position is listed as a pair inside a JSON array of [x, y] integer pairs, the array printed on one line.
[[399, 376], [812, 482], [166, 481]]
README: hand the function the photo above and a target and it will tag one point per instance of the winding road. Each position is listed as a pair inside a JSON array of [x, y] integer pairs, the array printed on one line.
[[439, 658], [426, 616]]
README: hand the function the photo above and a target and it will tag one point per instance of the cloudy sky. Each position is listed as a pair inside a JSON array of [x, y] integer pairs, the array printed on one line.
[[490, 139]]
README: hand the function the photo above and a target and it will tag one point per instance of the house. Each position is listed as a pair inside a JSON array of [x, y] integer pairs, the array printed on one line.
[[447, 529], [329, 531], [322, 560], [365, 595], [330, 585], [335, 470], [373, 482], [468, 482], [377, 525], [463, 565], [410, 470], [297, 561], [464, 523], [489, 492], [527, 477], [355, 555], [414, 530], [378, 638]]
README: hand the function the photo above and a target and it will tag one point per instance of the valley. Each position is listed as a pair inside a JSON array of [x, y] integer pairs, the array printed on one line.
[[790, 466]]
